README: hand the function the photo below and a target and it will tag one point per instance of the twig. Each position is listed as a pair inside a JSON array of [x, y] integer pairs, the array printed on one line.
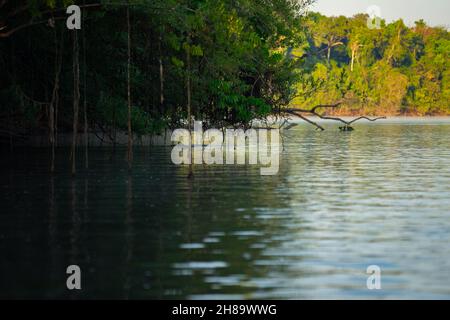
[[309, 121], [363, 117]]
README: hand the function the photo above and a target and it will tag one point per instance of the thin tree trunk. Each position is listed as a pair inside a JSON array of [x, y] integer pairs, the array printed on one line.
[[54, 101], [56, 107], [11, 142], [86, 137], [114, 130], [76, 97], [56, 117], [353, 59], [161, 74], [51, 128], [329, 53], [10, 128], [188, 91], [130, 137]]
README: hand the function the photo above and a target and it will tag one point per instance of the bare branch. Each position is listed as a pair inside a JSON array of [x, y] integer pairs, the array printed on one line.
[[309, 121], [29, 24], [366, 118], [313, 110], [290, 126], [298, 112]]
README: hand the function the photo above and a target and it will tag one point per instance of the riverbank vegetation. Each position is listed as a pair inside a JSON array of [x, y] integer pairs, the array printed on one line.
[[390, 70], [144, 66]]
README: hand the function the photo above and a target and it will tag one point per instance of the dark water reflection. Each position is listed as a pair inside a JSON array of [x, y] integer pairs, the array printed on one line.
[[342, 201]]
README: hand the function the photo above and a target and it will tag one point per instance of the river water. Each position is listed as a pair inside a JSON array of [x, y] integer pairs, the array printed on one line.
[[341, 202]]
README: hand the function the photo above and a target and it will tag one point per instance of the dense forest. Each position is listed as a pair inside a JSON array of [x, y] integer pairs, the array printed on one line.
[[391, 70], [218, 60], [143, 66]]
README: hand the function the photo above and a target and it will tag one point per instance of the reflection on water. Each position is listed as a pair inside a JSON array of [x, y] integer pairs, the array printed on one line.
[[341, 202]]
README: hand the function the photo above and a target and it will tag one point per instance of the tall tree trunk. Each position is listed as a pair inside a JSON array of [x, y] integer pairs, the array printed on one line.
[[114, 130], [85, 126], [10, 125], [161, 75], [130, 137], [55, 100], [61, 55], [51, 117], [10, 129], [354, 47], [353, 59], [76, 97], [329, 53], [188, 92]]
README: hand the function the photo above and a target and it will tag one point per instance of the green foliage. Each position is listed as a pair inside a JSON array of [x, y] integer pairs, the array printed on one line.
[[247, 59], [238, 69], [396, 69], [231, 99]]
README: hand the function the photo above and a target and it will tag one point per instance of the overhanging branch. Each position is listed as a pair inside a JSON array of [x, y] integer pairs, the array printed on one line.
[[314, 111]]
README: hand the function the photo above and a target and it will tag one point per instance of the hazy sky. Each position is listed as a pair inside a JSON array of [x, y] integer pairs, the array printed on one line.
[[434, 12]]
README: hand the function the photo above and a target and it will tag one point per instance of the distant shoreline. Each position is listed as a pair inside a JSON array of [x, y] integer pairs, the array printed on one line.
[[347, 116], [407, 115]]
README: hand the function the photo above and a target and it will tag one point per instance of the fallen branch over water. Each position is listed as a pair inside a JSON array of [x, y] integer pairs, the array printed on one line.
[[314, 111]]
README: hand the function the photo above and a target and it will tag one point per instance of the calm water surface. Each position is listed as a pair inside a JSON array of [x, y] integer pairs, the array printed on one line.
[[342, 201]]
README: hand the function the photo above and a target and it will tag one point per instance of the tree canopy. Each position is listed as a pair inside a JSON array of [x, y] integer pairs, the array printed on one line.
[[243, 59], [388, 71]]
